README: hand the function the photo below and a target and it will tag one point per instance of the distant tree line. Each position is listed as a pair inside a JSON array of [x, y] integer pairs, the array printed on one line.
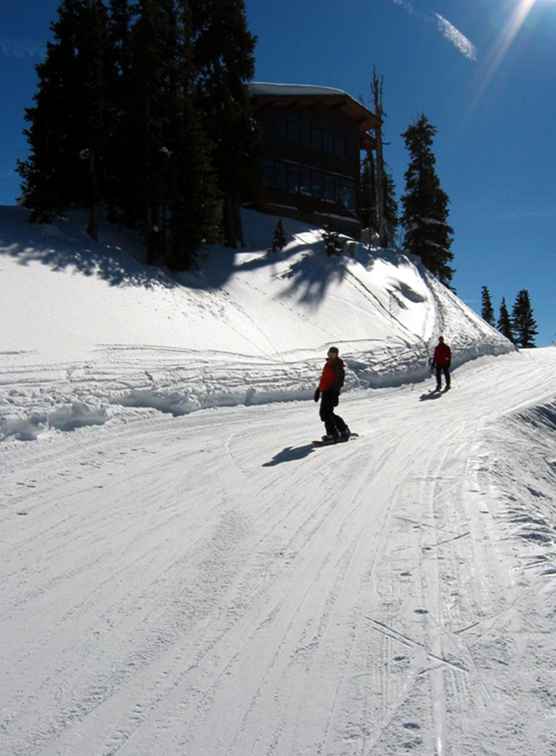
[[520, 327], [142, 109]]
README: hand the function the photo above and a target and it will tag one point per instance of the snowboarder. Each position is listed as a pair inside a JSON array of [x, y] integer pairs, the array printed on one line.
[[328, 391], [440, 362]]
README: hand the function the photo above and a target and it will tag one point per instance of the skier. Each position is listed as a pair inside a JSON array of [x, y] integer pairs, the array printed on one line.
[[328, 391], [440, 362]]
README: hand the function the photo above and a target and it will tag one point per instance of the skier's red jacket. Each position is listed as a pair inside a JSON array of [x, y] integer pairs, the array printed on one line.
[[332, 378], [442, 356]]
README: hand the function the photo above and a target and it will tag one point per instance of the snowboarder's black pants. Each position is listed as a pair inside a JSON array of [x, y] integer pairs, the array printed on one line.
[[332, 422], [439, 370]]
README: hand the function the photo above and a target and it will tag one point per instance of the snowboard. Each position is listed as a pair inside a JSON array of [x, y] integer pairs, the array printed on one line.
[[320, 442]]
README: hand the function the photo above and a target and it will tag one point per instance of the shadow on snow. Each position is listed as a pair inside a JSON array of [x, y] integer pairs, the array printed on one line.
[[290, 454]]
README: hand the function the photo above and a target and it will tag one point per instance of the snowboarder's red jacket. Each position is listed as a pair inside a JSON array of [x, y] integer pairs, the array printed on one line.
[[332, 378], [442, 356]]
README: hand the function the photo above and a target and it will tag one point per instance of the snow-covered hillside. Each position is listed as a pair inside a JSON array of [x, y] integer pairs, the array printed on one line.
[[89, 330], [216, 585]]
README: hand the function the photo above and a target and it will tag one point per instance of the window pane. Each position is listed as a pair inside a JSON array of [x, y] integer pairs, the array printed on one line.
[[330, 193], [305, 180], [267, 173], [317, 187], [316, 138], [328, 139], [340, 146], [293, 128], [278, 179], [293, 179], [279, 128]]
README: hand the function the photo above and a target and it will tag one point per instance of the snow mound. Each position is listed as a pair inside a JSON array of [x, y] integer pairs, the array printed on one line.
[[522, 475], [64, 418], [94, 331]]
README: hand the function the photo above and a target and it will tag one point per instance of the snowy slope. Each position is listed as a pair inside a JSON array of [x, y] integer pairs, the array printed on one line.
[[212, 585], [89, 330]]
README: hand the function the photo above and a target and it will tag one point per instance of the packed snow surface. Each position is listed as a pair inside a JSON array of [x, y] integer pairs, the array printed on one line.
[[89, 331], [209, 583], [212, 585]]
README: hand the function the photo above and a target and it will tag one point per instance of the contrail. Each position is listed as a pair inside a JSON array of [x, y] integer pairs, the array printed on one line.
[[459, 40], [447, 29]]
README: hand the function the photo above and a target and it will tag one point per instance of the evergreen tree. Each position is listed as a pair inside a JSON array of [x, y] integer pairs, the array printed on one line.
[[425, 204], [115, 120], [95, 54], [224, 64], [391, 220], [194, 195], [65, 124], [120, 153], [487, 313], [523, 322], [279, 239], [504, 322]]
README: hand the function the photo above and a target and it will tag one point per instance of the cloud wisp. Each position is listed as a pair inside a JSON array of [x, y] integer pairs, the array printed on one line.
[[456, 38]]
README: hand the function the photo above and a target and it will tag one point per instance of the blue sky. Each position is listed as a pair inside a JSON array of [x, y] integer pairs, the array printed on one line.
[[483, 71]]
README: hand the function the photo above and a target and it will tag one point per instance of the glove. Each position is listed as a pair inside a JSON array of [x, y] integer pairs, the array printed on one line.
[[316, 397]]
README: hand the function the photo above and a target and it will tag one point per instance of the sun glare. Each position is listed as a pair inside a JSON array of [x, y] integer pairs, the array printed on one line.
[[507, 35]]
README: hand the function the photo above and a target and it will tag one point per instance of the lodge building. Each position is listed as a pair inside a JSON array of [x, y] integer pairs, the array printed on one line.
[[311, 143]]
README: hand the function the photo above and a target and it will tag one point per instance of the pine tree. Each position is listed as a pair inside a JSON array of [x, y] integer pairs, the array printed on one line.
[[487, 313], [120, 153], [425, 204], [95, 53], [194, 198], [279, 239], [66, 122], [224, 64], [391, 220], [504, 322], [523, 322]]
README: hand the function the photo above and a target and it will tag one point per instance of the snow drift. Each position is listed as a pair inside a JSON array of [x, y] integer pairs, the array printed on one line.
[[92, 330]]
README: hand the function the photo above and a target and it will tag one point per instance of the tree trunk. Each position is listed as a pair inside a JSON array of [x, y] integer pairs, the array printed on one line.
[[376, 88], [92, 226]]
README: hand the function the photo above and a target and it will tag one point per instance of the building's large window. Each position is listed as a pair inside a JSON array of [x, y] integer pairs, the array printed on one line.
[[294, 178], [274, 175], [298, 128]]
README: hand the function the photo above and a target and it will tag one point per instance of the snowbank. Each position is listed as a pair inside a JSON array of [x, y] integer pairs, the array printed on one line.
[[94, 331], [521, 476]]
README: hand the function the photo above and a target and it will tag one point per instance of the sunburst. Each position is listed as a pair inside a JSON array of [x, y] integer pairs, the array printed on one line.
[[504, 42]]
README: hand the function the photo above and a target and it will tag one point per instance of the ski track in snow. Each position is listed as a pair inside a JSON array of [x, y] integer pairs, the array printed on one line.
[[211, 585]]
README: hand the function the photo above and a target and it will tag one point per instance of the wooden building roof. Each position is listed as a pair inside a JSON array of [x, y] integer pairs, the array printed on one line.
[[293, 96]]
